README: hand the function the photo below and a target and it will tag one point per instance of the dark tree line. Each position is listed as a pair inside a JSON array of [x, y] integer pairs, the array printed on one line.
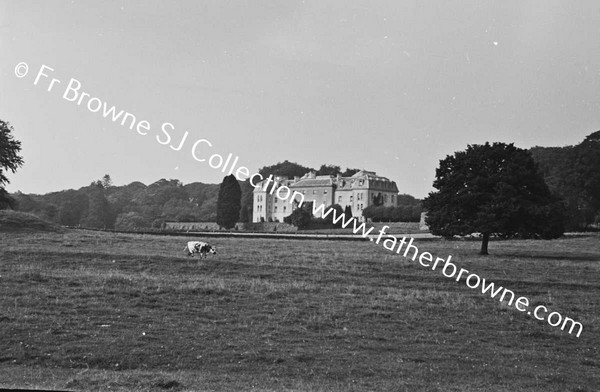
[[573, 172], [291, 169], [128, 207]]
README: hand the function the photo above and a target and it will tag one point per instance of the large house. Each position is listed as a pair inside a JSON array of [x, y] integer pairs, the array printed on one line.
[[358, 191]]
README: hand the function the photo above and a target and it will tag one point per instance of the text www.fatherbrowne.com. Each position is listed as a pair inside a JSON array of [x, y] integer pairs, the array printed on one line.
[[450, 270]]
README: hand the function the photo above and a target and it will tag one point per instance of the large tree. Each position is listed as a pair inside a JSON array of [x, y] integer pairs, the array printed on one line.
[[9, 160], [300, 217], [492, 189], [229, 202], [99, 214]]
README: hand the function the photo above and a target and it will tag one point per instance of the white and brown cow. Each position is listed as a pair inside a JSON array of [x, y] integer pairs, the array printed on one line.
[[199, 247]]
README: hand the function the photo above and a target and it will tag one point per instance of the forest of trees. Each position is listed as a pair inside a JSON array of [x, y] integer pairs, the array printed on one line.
[[129, 207], [291, 169], [573, 173], [138, 206]]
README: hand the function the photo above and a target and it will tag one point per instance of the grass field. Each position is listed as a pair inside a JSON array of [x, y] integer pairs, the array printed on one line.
[[97, 311]]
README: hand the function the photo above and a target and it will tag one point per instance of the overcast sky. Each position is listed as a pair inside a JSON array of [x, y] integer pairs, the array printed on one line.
[[389, 86]]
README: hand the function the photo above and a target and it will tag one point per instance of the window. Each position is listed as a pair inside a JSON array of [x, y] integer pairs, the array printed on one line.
[[283, 208], [351, 197], [339, 198], [275, 208], [325, 191]]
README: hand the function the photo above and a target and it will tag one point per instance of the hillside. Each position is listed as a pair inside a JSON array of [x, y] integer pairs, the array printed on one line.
[[127, 207], [136, 205], [16, 221]]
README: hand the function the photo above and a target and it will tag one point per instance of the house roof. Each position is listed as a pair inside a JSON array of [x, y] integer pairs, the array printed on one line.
[[313, 182], [363, 173], [362, 179]]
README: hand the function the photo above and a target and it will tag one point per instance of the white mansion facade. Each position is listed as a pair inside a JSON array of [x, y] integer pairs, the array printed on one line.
[[358, 191]]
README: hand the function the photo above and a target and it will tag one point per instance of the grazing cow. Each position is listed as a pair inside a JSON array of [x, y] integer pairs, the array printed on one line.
[[199, 247]]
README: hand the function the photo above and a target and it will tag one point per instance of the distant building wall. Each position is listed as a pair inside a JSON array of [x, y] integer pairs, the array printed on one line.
[[248, 226]]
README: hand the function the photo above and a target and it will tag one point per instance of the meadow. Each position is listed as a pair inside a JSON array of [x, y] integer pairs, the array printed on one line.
[[82, 310]]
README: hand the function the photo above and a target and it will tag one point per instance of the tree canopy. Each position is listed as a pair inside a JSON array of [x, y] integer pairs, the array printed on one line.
[[573, 172], [9, 160], [300, 217], [492, 189], [291, 169], [328, 170], [286, 168], [229, 202]]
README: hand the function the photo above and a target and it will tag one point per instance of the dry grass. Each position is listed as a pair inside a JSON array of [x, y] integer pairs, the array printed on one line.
[[96, 311]]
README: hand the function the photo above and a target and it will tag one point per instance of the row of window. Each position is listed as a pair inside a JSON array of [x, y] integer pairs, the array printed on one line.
[[360, 182], [359, 196], [260, 208], [314, 192], [359, 206]]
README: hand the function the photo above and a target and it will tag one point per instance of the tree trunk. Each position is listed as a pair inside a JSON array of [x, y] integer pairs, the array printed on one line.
[[484, 244]]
